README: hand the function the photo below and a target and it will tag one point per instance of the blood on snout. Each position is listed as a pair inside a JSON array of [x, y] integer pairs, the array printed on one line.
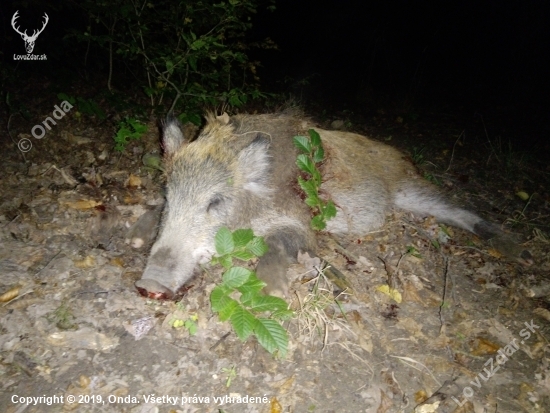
[[153, 294], [164, 295]]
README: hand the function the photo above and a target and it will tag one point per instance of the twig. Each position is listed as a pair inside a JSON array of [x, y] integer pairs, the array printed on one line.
[[444, 297], [217, 343], [488, 140], [453, 151], [410, 360]]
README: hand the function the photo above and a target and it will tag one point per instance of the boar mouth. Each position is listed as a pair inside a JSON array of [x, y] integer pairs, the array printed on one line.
[[159, 284], [153, 289]]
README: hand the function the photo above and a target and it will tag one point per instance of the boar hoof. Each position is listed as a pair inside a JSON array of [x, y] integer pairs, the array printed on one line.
[[526, 258], [153, 289]]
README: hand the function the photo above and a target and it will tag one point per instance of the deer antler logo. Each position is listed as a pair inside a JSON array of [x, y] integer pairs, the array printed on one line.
[[29, 40]]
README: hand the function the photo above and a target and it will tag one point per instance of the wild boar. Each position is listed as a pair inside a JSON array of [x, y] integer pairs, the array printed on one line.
[[241, 173]]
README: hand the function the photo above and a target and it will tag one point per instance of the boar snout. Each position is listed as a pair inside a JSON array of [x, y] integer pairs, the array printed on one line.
[[150, 288], [160, 278]]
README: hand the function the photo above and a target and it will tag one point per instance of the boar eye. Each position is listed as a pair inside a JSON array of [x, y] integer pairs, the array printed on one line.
[[214, 203]]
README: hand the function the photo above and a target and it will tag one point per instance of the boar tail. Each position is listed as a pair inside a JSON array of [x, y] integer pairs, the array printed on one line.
[[423, 201]]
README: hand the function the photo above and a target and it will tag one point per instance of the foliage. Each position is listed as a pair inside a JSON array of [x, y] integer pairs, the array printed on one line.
[[195, 51], [128, 129], [411, 250], [239, 298], [63, 317], [432, 178], [312, 155], [189, 324], [418, 156], [231, 373], [84, 106]]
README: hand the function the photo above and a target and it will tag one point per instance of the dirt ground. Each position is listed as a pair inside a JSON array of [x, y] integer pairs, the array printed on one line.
[[468, 331]]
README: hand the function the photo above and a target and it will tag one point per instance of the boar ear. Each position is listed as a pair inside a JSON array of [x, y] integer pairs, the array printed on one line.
[[172, 136], [223, 118], [255, 165]]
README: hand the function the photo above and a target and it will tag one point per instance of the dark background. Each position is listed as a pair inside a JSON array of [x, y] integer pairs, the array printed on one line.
[[485, 57], [488, 58]]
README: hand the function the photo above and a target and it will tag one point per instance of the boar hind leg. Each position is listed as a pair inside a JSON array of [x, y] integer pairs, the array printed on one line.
[[283, 250]]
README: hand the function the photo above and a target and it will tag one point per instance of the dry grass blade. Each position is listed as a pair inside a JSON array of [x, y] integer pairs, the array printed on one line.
[[408, 361], [313, 315]]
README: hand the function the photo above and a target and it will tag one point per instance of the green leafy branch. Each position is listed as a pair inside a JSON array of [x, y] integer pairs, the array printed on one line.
[[239, 298], [128, 129], [312, 155]]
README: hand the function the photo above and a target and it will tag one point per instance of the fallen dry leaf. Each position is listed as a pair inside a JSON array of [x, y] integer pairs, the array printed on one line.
[[410, 294], [542, 312], [484, 347], [385, 403], [133, 181], [275, 406], [82, 204], [420, 396], [88, 262], [10, 294], [524, 196], [494, 253], [117, 262], [390, 292]]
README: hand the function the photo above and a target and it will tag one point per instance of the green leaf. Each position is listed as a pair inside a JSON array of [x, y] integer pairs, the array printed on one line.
[[305, 164], [318, 223], [308, 187], [315, 137], [319, 154], [262, 303], [282, 315], [229, 309], [316, 177], [195, 119], [445, 230], [241, 237], [302, 143], [329, 210], [271, 336], [193, 62], [257, 246], [66, 97], [225, 260], [139, 127], [191, 326], [247, 298], [243, 255], [170, 66], [198, 44], [218, 297], [243, 322], [149, 91], [253, 286], [236, 276], [224, 241], [235, 101], [312, 201]]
